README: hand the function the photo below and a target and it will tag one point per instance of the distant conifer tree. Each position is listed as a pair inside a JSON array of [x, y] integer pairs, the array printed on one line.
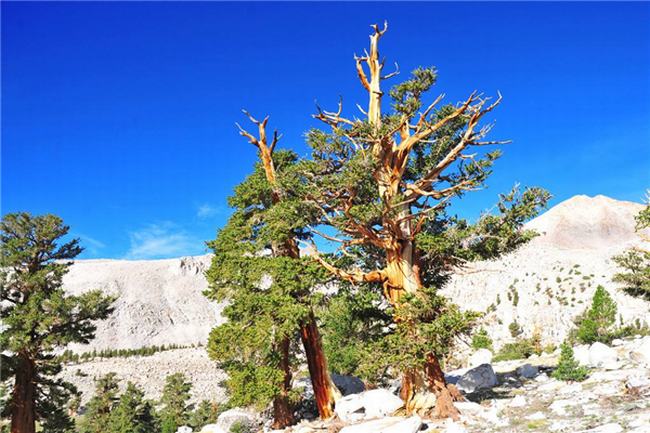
[[205, 413], [133, 414], [599, 321], [175, 409], [635, 262], [100, 406]]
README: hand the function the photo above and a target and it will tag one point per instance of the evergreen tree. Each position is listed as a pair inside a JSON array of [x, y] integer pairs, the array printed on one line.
[[258, 268], [598, 323], [205, 413], [38, 317], [133, 414], [383, 184], [568, 368], [635, 262], [102, 403], [175, 409]]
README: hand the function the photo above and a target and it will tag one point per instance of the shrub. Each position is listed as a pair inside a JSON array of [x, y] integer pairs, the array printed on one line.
[[515, 329], [481, 340], [240, 427], [568, 368], [520, 349]]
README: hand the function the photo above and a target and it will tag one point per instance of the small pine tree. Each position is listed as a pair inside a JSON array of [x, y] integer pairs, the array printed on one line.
[[568, 368], [175, 410], [100, 406], [205, 413], [597, 324], [515, 329], [481, 340], [133, 413]]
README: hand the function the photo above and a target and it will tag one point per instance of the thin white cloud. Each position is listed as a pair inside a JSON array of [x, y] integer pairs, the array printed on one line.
[[207, 210], [162, 240], [91, 245]]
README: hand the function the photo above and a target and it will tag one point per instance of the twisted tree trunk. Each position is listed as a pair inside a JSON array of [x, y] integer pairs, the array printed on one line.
[[426, 388], [23, 409]]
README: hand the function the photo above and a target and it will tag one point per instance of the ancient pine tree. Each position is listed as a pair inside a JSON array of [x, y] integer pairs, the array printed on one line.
[[384, 183]]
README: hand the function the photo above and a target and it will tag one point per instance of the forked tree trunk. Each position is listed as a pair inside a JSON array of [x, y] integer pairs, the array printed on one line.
[[422, 389], [23, 410], [325, 391], [282, 407]]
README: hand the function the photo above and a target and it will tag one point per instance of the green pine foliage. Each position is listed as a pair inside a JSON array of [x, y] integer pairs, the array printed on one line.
[[342, 185], [481, 340], [635, 262], [206, 412], [269, 295], [568, 368], [133, 413], [99, 408], [175, 410], [68, 356], [38, 317], [353, 324], [599, 321]]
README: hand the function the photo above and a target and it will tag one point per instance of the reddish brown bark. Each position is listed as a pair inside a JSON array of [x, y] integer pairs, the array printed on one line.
[[282, 407], [417, 386], [325, 391], [23, 409]]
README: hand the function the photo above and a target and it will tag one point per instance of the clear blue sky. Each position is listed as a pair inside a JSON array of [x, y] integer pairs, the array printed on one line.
[[119, 116]]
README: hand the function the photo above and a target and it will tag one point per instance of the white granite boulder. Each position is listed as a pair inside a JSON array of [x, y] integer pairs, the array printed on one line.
[[386, 425], [601, 355], [581, 354], [480, 357], [212, 428], [375, 403], [236, 415]]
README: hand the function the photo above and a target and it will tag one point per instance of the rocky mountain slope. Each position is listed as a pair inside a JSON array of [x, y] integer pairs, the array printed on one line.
[[541, 286], [546, 283], [160, 301]]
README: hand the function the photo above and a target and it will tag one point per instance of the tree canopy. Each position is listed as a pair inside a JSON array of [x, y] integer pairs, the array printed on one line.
[[39, 317]]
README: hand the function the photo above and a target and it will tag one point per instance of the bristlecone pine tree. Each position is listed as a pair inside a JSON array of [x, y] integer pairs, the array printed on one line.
[[38, 317], [636, 261], [258, 268], [384, 183]]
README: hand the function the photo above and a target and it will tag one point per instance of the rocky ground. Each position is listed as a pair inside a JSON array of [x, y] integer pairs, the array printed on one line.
[[512, 396], [149, 372]]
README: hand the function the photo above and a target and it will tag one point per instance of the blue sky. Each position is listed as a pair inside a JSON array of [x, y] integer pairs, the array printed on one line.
[[119, 117]]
